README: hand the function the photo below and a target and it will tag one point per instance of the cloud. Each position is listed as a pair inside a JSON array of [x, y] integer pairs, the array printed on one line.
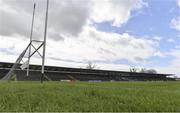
[[171, 40], [173, 67], [95, 45], [69, 16], [8, 25], [116, 11], [175, 23], [12, 45], [173, 63], [16, 19], [158, 38], [178, 2], [66, 17], [177, 47]]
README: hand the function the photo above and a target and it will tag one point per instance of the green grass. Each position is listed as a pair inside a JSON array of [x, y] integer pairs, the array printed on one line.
[[95, 97]]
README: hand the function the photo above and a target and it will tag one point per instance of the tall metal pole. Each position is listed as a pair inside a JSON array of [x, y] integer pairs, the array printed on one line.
[[44, 47], [32, 27]]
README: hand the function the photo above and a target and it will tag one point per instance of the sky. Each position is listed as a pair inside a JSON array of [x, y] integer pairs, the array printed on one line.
[[113, 34]]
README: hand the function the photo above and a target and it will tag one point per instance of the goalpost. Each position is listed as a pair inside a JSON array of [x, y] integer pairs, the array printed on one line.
[[25, 65]]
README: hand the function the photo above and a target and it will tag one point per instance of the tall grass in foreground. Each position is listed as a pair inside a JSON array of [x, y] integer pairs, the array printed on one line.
[[84, 96]]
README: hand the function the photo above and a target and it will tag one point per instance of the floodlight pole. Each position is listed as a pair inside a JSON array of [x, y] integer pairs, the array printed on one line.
[[32, 26], [44, 46]]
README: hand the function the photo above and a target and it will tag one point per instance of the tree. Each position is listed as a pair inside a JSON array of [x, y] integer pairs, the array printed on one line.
[[152, 71], [90, 65], [143, 70], [133, 69]]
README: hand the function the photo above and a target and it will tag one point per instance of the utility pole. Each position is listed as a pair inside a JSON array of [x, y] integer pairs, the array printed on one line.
[[44, 46]]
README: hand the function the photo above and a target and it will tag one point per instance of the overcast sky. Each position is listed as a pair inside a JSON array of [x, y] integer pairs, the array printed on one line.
[[113, 34]]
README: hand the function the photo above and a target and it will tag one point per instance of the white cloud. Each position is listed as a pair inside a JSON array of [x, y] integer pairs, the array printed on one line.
[[173, 67], [177, 47], [66, 17], [79, 42], [93, 45], [175, 23], [96, 45], [171, 40], [178, 1], [159, 54], [158, 38], [14, 45], [116, 11], [69, 24]]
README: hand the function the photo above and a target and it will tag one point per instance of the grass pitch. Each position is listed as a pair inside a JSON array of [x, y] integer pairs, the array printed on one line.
[[86, 96]]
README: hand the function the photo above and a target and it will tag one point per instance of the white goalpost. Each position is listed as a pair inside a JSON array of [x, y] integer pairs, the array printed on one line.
[[42, 44]]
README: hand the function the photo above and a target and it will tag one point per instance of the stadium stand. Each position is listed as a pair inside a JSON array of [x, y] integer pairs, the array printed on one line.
[[65, 73]]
